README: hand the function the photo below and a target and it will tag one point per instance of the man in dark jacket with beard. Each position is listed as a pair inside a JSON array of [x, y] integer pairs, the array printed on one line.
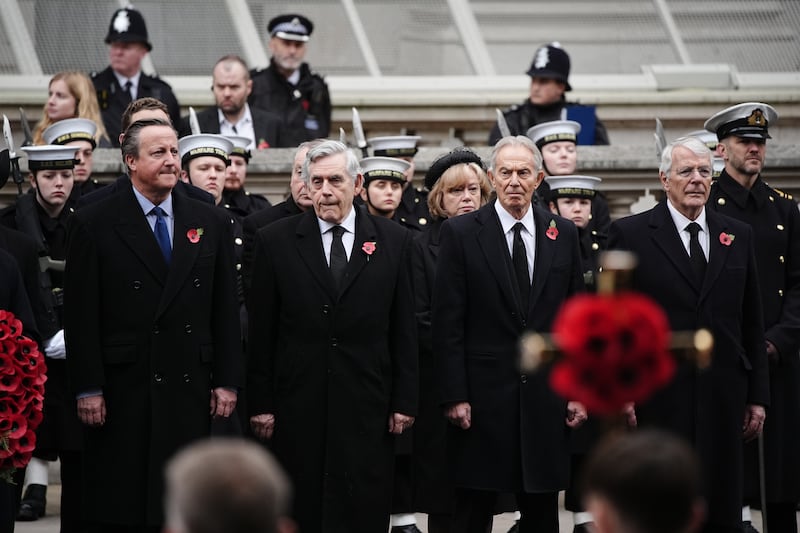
[[288, 87]]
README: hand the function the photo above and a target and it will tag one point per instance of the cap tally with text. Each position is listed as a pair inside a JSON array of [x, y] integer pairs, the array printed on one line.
[[554, 131], [394, 146], [450, 159], [204, 144], [551, 62], [572, 186], [240, 145], [127, 26], [290, 27], [750, 120], [50, 157], [384, 168], [71, 129]]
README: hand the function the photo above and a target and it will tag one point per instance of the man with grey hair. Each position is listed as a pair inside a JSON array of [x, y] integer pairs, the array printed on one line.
[[226, 486], [332, 369], [699, 266], [504, 270]]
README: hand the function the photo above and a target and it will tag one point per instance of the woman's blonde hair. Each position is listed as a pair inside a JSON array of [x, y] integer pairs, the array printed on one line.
[[453, 177], [82, 89]]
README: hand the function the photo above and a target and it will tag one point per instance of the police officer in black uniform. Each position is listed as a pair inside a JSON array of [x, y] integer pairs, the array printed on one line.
[[123, 80], [288, 87], [43, 216], [413, 209], [741, 192], [549, 74], [235, 197]]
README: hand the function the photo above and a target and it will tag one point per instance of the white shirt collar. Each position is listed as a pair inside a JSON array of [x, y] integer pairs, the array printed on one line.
[[122, 80], [349, 222], [681, 221], [507, 221]]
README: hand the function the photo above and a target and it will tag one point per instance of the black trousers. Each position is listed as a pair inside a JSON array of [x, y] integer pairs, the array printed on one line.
[[474, 510]]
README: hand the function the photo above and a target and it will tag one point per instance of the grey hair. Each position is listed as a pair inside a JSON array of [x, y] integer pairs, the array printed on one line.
[[130, 139], [516, 140], [327, 148], [694, 144]]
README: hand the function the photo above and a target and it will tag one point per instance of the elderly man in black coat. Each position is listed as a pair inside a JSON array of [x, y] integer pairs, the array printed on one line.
[[332, 363], [502, 271], [700, 267]]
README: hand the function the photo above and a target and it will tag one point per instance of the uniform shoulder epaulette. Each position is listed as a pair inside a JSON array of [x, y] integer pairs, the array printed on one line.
[[782, 194]]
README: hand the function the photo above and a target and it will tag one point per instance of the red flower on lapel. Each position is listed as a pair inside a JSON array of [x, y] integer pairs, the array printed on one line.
[[552, 231], [369, 248], [194, 235], [262, 144], [726, 238]]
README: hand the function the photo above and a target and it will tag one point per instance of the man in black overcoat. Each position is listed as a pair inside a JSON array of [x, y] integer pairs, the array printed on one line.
[[152, 330], [332, 356], [510, 431], [703, 276]]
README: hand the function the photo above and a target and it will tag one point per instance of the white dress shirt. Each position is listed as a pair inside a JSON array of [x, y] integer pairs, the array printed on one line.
[[528, 234], [682, 221], [348, 237]]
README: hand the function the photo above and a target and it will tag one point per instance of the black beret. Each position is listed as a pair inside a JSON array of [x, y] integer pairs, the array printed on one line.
[[442, 163]]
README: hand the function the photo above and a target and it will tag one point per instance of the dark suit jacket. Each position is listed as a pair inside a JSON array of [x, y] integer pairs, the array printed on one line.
[[518, 439], [332, 366], [13, 295], [113, 100], [705, 407], [252, 223], [266, 126], [154, 338], [23, 249]]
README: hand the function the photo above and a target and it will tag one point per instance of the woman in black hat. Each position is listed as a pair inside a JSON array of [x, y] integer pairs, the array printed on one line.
[[458, 184]]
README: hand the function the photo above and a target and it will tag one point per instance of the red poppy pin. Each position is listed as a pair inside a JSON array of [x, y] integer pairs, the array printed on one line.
[[262, 144], [194, 235], [726, 238], [552, 231], [369, 248]]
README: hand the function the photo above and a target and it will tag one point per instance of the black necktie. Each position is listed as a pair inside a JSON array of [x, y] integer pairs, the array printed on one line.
[[696, 255], [127, 89], [338, 256], [520, 259], [162, 233]]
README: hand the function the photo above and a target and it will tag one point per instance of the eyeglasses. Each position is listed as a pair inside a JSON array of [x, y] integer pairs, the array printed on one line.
[[688, 172]]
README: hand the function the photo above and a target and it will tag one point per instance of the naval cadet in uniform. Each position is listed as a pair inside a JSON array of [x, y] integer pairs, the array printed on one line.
[[741, 192], [413, 209], [44, 216], [80, 133], [234, 196], [288, 87], [123, 80]]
